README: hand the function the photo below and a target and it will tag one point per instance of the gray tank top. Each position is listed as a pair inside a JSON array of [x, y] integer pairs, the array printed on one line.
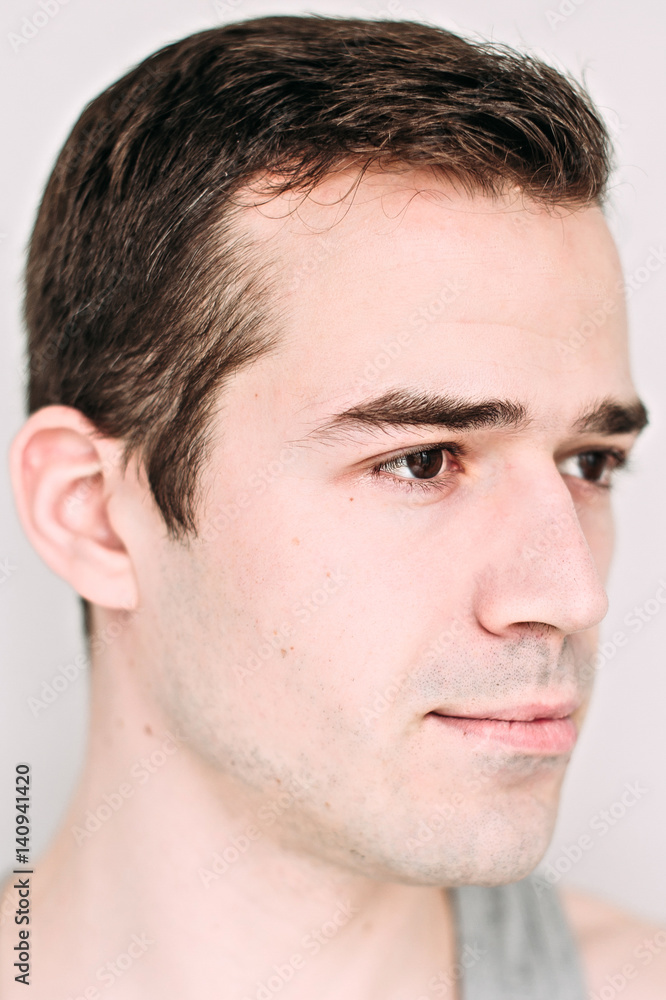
[[514, 943]]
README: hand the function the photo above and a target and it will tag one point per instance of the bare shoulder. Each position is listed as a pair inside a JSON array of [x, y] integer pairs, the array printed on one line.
[[621, 954]]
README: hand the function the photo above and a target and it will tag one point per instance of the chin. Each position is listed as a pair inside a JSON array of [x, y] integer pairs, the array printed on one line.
[[493, 847], [492, 864]]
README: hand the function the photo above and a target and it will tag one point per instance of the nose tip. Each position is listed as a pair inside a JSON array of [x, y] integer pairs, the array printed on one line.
[[543, 572], [576, 599]]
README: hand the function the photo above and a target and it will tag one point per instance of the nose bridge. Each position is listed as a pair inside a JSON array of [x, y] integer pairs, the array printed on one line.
[[542, 568]]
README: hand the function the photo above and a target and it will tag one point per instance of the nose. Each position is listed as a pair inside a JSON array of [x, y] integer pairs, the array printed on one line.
[[538, 566]]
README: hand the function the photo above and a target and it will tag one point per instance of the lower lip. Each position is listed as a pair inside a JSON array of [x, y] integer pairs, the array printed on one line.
[[545, 736]]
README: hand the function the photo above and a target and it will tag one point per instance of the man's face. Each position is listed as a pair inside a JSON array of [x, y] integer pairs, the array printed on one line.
[[331, 606]]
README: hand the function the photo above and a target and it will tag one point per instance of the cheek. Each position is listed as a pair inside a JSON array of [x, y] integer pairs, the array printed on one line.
[[319, 617]]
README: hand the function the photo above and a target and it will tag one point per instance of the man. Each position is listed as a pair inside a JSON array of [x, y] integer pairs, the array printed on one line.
[[329, 384]]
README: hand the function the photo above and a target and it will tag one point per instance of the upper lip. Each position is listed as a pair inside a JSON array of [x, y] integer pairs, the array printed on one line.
[[517, 713]]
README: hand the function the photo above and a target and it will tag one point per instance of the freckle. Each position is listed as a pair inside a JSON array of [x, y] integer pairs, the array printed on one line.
[[284, 652], [295, 541], [147, 730], [291, 647]]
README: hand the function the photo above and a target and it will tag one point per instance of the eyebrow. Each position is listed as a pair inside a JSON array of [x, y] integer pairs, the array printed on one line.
[[402, 408], [610, 417]]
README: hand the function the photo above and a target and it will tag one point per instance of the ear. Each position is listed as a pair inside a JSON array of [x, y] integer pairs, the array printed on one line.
[[65, 476]]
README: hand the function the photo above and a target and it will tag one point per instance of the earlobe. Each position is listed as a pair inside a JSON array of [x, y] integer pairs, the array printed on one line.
[[64, 476]]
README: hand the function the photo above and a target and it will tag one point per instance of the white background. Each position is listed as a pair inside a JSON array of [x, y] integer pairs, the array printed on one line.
[[619, 48]]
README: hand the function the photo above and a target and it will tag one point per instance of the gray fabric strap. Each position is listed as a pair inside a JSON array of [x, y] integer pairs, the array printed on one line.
[[514, 943]]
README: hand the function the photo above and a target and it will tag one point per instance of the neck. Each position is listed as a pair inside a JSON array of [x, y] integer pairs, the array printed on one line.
[[159, 859]]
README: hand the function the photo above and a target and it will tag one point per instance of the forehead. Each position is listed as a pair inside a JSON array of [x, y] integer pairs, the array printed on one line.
[[404, 278]]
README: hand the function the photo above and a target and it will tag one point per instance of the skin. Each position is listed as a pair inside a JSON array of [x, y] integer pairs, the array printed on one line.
[[284, 665]]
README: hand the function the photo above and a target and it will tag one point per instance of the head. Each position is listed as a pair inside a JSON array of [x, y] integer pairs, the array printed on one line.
[[271, 261]]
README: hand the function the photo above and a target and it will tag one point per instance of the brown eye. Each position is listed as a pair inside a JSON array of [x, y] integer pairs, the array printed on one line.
[[593, 464], [595, 467], [425, 464], [431, 469], [421, 465]]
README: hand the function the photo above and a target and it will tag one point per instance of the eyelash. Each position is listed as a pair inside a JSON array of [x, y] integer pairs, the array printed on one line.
[[424, 485], [620, 460], [382, 471]]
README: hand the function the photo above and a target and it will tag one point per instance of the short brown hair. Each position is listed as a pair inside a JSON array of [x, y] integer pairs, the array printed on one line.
[[143, 296]]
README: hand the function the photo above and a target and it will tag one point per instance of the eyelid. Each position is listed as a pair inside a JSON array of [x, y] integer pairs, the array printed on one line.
[[619, 456], [439, 482], [452, 447], [456, 450]]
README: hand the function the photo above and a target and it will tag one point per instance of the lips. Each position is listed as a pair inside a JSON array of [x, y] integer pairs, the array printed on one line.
[[535, 728], [517, 713]]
